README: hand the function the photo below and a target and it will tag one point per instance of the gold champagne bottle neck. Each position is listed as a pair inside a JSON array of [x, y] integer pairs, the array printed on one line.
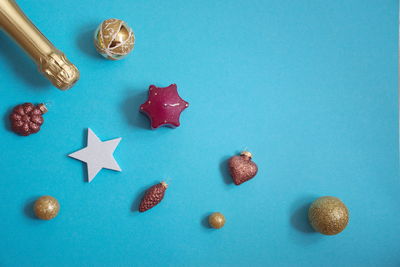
[[51, 61]]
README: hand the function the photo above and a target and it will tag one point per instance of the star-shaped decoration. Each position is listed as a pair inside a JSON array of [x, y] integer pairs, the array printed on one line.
[[164, 106], [97, 155]]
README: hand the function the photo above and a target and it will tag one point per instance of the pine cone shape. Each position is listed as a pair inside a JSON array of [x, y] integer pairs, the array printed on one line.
[[153, 196], [27, 118]]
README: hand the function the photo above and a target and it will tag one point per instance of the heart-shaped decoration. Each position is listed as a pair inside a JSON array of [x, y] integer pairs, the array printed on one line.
[[242, 168]]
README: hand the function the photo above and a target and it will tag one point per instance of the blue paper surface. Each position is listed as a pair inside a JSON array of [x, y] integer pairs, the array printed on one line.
[[309, 87]]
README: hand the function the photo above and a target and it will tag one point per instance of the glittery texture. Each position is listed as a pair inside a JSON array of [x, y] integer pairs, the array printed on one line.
[[328, 215], [216, 220], [242, 168], [114, 39], [153, 196], [27, 118], [46, 208], [164, 106]]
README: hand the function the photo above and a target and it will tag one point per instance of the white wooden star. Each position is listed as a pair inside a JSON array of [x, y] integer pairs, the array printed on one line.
[[97, 155]]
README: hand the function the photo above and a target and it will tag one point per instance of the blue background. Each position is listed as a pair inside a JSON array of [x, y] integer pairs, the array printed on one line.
[[309, 87]]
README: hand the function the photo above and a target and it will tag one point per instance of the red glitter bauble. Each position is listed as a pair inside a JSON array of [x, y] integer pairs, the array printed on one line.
[[242, 168], [27, 118]]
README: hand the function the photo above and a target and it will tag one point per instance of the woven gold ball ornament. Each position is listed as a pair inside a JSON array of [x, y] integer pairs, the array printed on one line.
[[328, 215], [46, 207], [216, 220], [114, 39]]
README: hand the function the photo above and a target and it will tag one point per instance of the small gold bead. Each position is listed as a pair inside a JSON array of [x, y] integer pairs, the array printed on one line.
[[46, 208], [216, 220]]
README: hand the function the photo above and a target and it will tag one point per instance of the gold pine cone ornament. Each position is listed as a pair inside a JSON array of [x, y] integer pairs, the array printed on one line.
[[114, 39]]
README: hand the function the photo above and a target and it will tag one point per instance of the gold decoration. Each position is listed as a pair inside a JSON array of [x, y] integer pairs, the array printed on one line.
[[43, 108], [114, 39], [46, 207], [328, 215], [216, 220], [51, 62], [247, 154]]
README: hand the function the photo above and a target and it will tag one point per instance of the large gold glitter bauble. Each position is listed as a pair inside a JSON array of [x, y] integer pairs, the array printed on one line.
[[46, 207], [328, 215], [216, 220], [114, 39]]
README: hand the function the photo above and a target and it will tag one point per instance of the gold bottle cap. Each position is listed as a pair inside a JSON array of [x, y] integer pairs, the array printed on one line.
[[59, 70]]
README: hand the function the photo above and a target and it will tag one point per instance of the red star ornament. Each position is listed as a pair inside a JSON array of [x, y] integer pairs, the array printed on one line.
[[164, 106]]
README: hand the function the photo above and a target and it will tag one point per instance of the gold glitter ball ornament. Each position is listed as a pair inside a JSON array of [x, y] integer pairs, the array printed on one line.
[[46, 207], [216, 220], [114, 39], [328, 215]]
